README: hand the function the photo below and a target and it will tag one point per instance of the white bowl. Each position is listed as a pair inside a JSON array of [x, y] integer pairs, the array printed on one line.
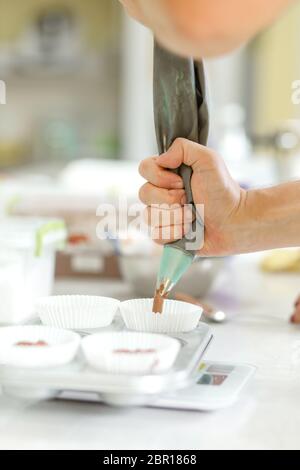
[[61, 348], [177, 317], [76, 311], [130, 353]]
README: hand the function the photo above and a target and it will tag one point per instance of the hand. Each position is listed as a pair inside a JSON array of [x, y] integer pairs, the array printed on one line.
[[295, 318], [212, 186]]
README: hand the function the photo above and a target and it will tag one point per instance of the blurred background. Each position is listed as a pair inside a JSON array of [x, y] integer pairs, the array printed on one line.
[[79, 117], [78, 77]]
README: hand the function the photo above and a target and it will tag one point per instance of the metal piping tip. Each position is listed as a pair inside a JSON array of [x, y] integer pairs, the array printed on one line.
[[162, 291], [164, 286]]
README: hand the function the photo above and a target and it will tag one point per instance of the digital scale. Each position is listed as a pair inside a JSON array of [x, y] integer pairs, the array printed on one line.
[[217, 386], [190, 384]]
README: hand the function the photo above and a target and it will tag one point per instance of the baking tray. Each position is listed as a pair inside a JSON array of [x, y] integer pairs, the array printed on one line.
[[121, 390]]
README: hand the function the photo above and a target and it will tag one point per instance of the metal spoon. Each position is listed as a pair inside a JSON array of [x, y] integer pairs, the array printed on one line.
[[211, 314]]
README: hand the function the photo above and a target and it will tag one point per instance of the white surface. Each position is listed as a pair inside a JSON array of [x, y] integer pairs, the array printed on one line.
[[265, 417]]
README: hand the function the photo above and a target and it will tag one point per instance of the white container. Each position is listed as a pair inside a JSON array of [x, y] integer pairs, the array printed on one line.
[[125, 352], [11, 285], [34, 241]]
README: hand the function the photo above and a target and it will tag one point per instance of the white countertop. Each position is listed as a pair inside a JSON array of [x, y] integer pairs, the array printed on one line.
[[265, 417]]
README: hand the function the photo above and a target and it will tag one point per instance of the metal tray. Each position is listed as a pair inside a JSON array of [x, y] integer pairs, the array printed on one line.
[[121, 390]]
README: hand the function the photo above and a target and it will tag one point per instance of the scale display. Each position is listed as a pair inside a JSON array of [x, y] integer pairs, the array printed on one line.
[[218, 385]]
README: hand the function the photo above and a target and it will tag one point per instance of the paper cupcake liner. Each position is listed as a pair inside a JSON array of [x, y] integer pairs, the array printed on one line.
[[177, 317], [130, 353], [76, 311], [61, 347]]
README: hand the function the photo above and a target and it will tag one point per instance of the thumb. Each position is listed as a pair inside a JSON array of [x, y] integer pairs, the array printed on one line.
[[182, 151]]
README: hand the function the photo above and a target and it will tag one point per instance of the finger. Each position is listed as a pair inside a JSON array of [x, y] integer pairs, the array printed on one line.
[[187, 152], [150, 194], [164, 235], [158, 176], [155, 216]]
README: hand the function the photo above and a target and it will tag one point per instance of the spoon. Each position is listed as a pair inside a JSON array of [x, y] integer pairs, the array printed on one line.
[[211, 314]]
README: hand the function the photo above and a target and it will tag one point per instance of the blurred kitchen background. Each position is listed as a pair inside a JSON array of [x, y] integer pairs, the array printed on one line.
[[78, 119]]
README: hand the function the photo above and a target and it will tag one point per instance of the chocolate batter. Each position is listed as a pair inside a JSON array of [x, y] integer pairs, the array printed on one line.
[[29, 343], [158, 301], [134, 351]]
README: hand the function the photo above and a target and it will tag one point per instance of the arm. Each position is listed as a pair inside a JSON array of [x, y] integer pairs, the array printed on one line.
[[236, 221], [204, 28], [271, 218]]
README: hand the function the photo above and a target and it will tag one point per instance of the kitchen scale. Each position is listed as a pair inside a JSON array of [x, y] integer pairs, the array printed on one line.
[[190, 384], [218, 385]]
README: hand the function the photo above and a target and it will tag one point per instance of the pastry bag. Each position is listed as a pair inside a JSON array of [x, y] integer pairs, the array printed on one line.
[[180, 110]]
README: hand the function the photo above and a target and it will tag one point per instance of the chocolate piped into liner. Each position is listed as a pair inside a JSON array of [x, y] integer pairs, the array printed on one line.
[[158, 301], [134, 351], [38, 343]]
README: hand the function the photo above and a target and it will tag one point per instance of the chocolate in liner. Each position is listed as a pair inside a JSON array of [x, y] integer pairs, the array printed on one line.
[[158, 301]]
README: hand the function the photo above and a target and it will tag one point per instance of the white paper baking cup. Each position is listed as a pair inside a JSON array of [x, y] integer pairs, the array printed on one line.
[[61, 348], [106, 352], [176, 316], [76, 311]]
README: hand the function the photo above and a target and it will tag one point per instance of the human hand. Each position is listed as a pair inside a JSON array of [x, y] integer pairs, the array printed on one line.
[[212, 186], [295, 318]]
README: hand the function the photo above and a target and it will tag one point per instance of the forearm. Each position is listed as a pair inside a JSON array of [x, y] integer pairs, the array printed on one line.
[[269, 218]]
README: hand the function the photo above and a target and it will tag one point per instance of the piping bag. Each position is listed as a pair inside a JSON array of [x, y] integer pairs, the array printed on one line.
[[180, 110]]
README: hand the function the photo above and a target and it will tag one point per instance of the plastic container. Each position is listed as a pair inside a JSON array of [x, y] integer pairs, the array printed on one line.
[[11, 285], [34, 241]]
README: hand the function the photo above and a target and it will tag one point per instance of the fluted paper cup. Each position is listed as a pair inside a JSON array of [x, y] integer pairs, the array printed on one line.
[[130, 352], [37, 346], [177, 317], [76, 311]]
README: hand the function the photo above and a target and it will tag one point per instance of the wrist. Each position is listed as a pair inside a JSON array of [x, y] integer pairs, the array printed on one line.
[[238, 231], [248, 229], [267, 218]]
